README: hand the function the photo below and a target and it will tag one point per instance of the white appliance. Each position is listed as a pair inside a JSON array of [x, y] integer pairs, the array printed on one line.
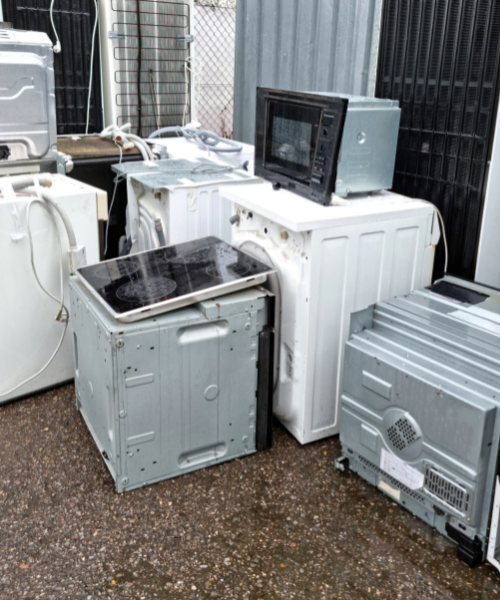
[[177, 200], [331, 261], [179, 147], [147, 46], [488, 265], [30, 333]]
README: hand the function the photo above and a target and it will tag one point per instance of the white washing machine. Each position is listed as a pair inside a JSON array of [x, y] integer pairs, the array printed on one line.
[[176, 200], [331, 261], [30, 333]]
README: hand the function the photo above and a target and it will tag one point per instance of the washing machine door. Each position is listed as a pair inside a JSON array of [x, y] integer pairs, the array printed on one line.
[[274, 286]]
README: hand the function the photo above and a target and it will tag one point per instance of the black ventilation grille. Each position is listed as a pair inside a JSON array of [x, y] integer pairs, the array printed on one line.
[[440, 59], [74, 21]]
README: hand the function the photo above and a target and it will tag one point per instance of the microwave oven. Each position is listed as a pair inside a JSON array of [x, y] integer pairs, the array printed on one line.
[[316, 144]]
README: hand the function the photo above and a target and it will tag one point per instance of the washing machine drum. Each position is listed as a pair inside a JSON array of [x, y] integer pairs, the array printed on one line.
[[274, 286]]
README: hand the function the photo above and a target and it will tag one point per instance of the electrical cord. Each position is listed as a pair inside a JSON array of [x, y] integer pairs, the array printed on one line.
[[62, 315], [153, 98], [139, 65], [443, 231], [116, 181], [206, 140], [91, 64], [57, 46]]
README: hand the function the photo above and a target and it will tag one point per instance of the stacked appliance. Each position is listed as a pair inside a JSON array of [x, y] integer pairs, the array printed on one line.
[[333, 255], [420, 410], [48, 222], [28, 134], [35, 269], [175, 200], [165, 393]]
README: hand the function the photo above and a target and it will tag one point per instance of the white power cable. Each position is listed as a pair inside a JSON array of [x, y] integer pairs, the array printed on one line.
[[445, 241], [91, 63], [57, 47], [62, 315], [443, 231]]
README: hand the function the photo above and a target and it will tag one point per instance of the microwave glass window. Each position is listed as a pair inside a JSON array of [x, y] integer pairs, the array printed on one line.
[[291, 139]]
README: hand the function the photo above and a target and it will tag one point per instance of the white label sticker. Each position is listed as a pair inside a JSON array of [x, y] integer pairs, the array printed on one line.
[[397, 468], [393, 492]]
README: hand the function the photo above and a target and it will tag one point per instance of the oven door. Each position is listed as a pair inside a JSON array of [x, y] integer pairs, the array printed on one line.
[[297, 141]]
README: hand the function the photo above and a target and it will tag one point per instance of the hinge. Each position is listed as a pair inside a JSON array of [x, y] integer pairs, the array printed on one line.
[[116, 35], [186, 39]]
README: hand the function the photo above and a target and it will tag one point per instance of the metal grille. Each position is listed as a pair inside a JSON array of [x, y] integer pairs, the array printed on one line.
[[401, 434], [74, 21], [448, 492], [440, 59], [214, 29], [153, 83]]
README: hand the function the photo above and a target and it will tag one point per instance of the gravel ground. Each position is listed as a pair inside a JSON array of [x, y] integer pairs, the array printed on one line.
[[278, 524]]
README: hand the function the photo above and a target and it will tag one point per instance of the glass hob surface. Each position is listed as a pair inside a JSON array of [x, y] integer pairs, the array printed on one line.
[[169, 274]]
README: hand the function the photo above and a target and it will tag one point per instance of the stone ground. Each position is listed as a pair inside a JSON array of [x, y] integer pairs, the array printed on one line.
[[278, 524]]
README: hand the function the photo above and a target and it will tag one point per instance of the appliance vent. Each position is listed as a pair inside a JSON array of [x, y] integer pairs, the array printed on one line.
[[440, 59], [394, 482], [402, 434], [450, 493]]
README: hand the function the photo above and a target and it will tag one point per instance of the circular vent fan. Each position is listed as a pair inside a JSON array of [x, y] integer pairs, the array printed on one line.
[[403, 433]]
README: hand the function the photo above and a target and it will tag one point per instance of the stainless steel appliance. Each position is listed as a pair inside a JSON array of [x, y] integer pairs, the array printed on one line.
[[28, 135], [178, 392], [420, 414], [316, 144]]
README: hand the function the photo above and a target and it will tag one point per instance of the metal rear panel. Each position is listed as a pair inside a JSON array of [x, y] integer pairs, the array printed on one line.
[[173, 394], [145, 63], [302, 45], [74, 21], [28, 113], [420, 407]]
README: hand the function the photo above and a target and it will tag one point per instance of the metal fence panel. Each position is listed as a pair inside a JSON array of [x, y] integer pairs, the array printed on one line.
[[214, 29], [310, 45]]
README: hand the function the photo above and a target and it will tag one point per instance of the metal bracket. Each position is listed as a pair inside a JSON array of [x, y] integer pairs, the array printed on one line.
[[115, 35], [187, 39]]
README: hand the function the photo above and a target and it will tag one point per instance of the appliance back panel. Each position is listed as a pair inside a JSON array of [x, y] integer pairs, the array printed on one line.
[[419, 411], [440, 59], [151, 75], [74, 21]]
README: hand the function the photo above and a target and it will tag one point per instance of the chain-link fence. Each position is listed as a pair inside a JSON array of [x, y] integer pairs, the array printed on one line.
[[213, 66]]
